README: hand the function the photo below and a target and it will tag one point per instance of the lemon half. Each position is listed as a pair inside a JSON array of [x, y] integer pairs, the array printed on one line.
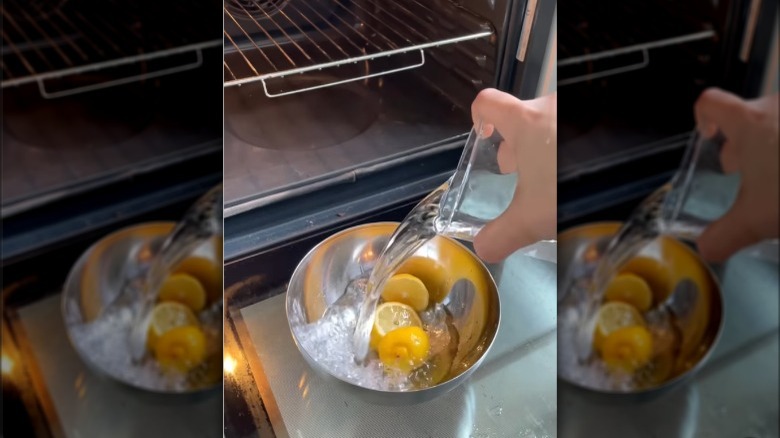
[[404, 349], [627, 348], [406, 289], [630, 289], [167, 316], [391, 316], [184, 289], [181, 348], [613, 316]]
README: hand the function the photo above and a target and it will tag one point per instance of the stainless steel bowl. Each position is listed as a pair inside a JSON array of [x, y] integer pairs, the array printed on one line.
[[324, 273], [94, 283], [584, 244]]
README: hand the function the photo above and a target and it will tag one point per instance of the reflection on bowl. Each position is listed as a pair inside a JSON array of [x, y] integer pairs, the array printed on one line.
[[663, 264], [323, 275], [101, 338]]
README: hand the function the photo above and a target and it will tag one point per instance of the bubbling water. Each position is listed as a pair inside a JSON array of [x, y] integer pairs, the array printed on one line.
[[328, 342]]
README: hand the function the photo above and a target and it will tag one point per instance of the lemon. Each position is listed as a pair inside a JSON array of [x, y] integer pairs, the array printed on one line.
[[404, 349], [181, 348], [627, 348], [630, 289], [431, 273], [613, 316], [407, 289], [185, 289], [656, 274], [208, 273], [167, 316], [392, 316]]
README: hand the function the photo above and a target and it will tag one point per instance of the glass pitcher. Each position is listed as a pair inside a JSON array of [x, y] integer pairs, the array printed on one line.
[[701, 192], [478, 192]]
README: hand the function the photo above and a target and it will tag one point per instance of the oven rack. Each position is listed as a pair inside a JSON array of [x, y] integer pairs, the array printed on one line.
[[44, 42], [595, 31], [298, 38]]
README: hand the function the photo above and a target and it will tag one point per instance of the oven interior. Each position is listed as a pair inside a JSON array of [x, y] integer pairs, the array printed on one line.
[[108, 121], [95, 93], [317, 92], [628, 86]]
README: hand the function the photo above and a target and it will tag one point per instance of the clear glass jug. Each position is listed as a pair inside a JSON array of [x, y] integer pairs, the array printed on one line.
[[701, 192], [478, 192]]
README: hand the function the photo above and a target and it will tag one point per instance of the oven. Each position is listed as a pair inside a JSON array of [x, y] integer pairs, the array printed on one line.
[[111, 117], [628, 76], [615, 73], [341, 112]]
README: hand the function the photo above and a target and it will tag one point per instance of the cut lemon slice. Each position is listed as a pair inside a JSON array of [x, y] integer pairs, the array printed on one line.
[[181, 348], [184, 289], [207, 272], [630, 289], [613, 316], [167, 316], [657, 275], [406, 289], [404, 349], [392, 316], [627, 348]]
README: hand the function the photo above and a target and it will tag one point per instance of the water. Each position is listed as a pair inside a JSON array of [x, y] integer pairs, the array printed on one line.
[[329, 343], [584, 293], [466, 209], [416, 229]]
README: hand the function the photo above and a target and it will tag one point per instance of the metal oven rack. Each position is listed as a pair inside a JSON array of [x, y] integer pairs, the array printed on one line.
[[590, 32], [45, 41], [298, 37]]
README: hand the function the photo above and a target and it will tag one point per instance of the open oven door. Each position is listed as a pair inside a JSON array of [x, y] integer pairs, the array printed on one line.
[[264, 244]]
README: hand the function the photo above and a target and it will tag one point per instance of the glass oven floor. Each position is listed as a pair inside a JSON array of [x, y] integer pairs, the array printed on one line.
[[513, 393], [79, 403]]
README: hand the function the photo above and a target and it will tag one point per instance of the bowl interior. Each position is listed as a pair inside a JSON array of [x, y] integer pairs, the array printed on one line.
[[324, 273], [662, 264], [95, 282]]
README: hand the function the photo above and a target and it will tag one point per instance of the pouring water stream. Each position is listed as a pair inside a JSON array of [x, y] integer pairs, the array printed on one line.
[[201, 222]]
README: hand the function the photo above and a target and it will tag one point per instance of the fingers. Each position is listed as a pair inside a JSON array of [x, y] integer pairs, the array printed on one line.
[[728, 234], [494, 108], [729, 158], [719, 110], [506, 158], [528, 219], [503, 236]]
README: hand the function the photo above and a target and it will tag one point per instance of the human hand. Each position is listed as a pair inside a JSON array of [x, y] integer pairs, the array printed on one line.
[[529, 130], [751, 148]]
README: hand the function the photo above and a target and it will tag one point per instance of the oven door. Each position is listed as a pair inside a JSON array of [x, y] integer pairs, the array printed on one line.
[[269, 389]]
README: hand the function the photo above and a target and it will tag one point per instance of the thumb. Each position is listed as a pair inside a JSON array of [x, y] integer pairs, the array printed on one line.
[[728, 234], [503, 235]]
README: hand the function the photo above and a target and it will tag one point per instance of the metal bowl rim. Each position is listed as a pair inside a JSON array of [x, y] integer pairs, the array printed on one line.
[[77, 268], [699, 364], [455, 381]]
